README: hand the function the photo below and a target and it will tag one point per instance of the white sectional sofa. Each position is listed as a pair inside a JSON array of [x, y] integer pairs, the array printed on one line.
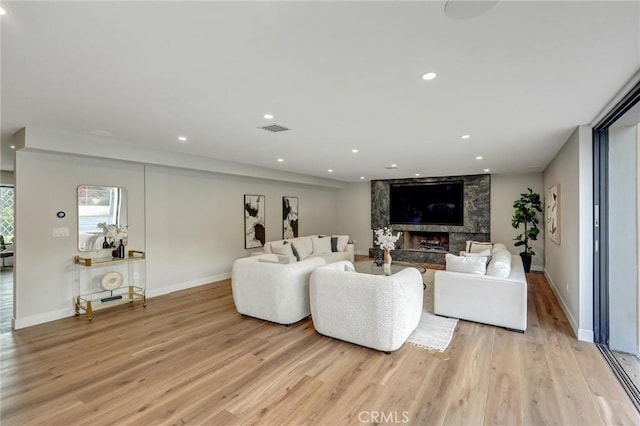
[[498, 297], [314, 246], [375, 311]]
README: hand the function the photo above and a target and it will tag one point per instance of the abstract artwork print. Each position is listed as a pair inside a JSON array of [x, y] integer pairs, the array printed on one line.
[[289, 217], [552, 213], [254, 221]]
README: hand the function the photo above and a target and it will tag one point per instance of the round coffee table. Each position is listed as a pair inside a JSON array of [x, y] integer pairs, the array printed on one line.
[[369, 267]]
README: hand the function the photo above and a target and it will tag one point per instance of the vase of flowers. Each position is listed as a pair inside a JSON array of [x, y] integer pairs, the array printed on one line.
[[113, 233], [386, 240]]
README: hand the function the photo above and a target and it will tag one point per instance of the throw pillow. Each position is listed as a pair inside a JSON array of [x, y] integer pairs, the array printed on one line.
[[287, 259], [342, 242], [467, 264], [334, 244], [321, 245], [302, 250], [486, 253], [477, 246], [295, 252], [283, 250], [499, 246], [500, 265]]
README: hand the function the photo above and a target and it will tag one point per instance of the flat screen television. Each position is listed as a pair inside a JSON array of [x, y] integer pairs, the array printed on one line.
[[439, 203]]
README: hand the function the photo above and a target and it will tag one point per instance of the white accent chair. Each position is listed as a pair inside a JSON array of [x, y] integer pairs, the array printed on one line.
[[274, 292], [375, 311]]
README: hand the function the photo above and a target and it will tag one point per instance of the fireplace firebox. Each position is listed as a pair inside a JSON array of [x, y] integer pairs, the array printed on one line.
[[435, 242]]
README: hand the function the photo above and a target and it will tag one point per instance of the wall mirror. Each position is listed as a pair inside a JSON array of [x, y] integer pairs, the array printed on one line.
[[106, 205]]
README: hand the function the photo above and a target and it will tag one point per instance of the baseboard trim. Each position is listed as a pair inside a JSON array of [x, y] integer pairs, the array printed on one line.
[[565, 309], [187, 284], [585, 335], [19, 323]]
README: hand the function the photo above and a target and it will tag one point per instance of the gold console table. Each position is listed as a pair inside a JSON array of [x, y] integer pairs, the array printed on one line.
[[90, 294]]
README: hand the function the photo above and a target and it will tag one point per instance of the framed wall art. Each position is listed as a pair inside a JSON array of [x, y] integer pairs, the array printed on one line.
[[289, 217], [254, 221], [552, 213]]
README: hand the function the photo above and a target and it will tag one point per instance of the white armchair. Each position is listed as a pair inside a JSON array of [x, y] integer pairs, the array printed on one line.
[[375, 311], [274, 292]]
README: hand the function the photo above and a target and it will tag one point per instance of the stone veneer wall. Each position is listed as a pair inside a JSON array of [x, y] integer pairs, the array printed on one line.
[[477, 220]]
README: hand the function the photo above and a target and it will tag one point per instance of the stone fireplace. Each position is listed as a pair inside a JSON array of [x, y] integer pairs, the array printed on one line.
[[429, 243], [434, 242]]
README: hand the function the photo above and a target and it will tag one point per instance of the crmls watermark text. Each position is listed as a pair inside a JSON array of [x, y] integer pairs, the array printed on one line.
[[383, 417]]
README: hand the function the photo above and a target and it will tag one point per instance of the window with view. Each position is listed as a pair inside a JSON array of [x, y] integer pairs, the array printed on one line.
[[7, 213]]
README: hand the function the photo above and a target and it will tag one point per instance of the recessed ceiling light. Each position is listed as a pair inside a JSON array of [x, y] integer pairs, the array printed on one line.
[[479, 157], [2, 11], [429, 76], [394, 165], [182, 139], [268, 116], [417, 174], [361, 177], [330, 170], [487, 170], [280, 160], [355, 151], [465, 136], [12, 147], [103, 133]]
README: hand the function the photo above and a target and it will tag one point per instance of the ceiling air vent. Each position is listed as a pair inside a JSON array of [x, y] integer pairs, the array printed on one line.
[[274, 128]]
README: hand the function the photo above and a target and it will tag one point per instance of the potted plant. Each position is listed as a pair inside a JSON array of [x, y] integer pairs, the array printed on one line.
[[526, 208]]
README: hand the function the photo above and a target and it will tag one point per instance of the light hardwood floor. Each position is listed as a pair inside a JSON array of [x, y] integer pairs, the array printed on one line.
[[190, 358]]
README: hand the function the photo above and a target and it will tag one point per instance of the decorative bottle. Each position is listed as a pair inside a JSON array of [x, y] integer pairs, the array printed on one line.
[[121, 250], [105, 244]]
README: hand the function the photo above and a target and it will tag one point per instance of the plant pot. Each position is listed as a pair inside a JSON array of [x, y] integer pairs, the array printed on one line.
[[526, 261]]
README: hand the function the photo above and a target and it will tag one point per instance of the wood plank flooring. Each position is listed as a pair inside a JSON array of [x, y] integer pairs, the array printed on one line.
[[190, 358]]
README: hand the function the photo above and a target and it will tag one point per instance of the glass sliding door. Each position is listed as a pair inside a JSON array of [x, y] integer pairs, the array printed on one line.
[[616, 272]]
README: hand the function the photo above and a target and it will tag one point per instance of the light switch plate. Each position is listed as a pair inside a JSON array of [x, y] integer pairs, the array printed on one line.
[[60, 232]]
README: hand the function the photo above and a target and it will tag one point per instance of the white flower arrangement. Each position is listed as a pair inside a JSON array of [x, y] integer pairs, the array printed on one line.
[[385, 238], [113, 233]]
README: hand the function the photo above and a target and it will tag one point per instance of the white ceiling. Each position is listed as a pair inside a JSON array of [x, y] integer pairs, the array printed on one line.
[[340, 75]]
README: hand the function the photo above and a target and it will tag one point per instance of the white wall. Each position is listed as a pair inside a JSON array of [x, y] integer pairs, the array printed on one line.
[[195, 222], [623, 232], [505, 189], [568, 265], [7, 178], [354, 205], [190, 224], [43, 265]]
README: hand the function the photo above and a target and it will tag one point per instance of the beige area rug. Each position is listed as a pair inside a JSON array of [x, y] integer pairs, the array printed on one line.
[[433, 332]]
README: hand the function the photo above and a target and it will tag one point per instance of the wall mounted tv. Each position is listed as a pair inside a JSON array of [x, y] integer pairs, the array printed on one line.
[[439, 203]]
